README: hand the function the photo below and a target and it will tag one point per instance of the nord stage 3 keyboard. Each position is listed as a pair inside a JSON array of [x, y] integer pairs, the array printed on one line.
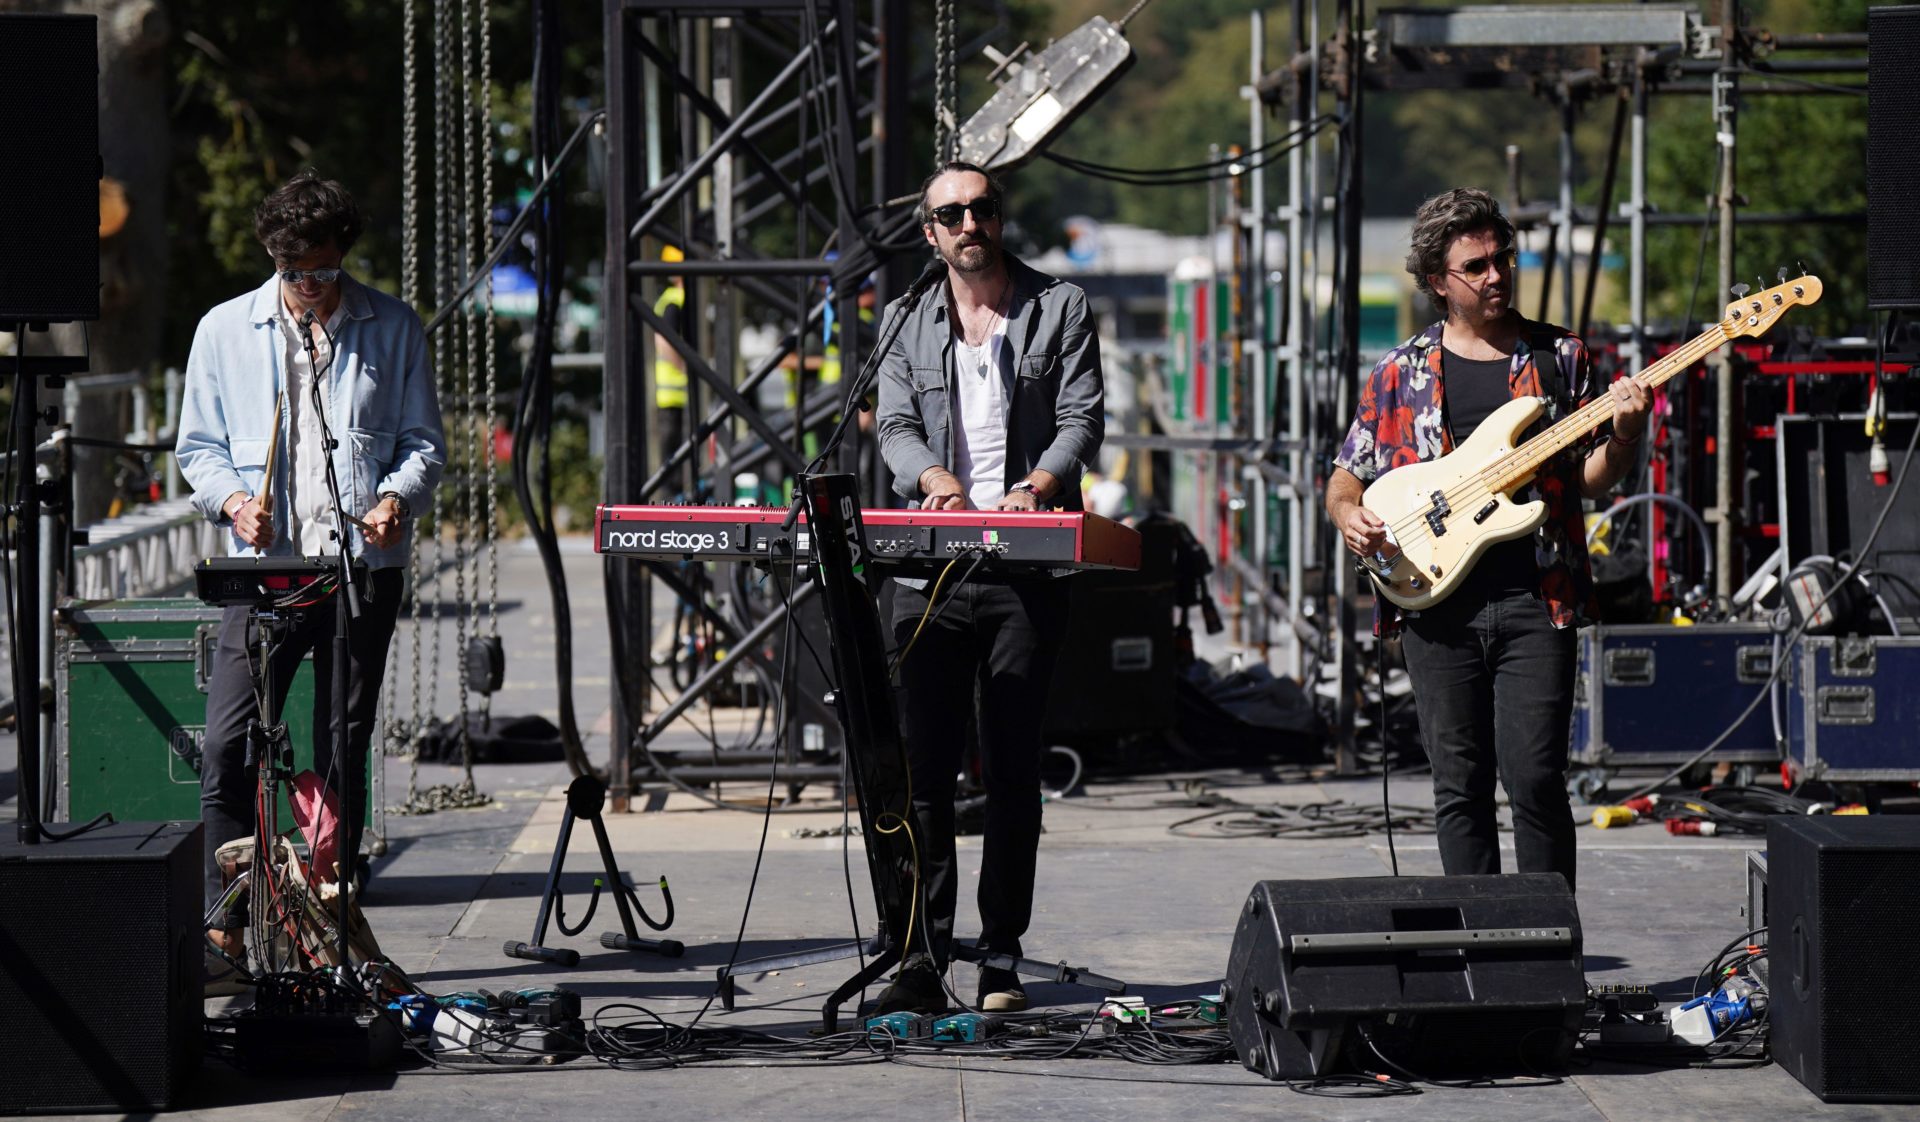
[[1009, 539]]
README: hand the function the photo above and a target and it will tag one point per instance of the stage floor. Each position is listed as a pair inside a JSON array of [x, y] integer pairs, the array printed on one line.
[[1117, 893]]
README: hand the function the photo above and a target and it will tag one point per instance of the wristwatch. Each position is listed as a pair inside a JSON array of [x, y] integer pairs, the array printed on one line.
[[399, 502], [1027, 486]]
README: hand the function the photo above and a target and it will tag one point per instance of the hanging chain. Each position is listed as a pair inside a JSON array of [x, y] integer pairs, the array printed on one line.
[[489, 536], [396, 738], [442, 135], [452, 134], [945, 123], [463, 522]]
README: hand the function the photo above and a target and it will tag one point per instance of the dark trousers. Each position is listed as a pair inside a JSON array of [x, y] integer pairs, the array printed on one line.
[[994, 644], [228, 783], [1493, 686]]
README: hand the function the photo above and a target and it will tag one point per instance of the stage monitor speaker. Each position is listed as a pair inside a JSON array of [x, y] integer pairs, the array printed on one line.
[[1841, 914], [50, 176], [1893, 176], [1431, 976], [101, 969]]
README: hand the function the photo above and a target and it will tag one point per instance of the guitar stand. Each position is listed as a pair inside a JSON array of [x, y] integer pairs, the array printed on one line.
[[586, 797]]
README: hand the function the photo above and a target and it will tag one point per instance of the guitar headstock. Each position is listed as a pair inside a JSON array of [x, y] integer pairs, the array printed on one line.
[[1755, 314]]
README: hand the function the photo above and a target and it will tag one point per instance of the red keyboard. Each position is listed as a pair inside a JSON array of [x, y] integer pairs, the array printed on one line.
[[1009, 539]]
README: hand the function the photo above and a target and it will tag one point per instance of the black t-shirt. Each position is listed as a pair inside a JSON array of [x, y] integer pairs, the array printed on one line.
[[1474, 388]]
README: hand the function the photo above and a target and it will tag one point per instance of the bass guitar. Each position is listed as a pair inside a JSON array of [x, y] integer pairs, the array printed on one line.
[[1444, 514]]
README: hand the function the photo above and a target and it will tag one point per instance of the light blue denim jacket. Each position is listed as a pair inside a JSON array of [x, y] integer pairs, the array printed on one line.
[[382, 404]]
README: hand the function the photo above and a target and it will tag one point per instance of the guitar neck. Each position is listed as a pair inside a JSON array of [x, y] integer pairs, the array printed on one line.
[[1520, 465]]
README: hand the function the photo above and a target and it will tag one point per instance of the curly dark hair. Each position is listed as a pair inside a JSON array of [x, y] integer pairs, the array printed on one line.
[[1443, 218], [995, 188], [306, 213]]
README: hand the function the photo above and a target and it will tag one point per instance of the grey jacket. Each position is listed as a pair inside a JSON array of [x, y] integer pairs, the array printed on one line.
[[1055, 414]]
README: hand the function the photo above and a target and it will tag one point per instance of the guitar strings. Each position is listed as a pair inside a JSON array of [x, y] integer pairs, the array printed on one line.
[[1410, 530]]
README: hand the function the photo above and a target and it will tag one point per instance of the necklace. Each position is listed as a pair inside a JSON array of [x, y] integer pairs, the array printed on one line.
[[984, 348]]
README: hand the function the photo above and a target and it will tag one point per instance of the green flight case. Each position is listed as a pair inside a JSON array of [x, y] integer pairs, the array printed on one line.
[[132, 704]]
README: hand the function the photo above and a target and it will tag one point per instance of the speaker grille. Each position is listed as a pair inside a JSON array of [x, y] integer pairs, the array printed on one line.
[[1868, 913], [1893, 139], [50, 175]]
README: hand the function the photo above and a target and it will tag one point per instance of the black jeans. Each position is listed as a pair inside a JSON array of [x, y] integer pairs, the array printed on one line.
[[1493, 686], [1001, 640], [227, 783]]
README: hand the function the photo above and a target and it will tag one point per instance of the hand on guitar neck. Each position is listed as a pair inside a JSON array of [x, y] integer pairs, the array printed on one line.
[[1419, 528]]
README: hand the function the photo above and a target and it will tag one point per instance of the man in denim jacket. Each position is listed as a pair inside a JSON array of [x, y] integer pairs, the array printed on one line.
[[274, 372], [990, 398]]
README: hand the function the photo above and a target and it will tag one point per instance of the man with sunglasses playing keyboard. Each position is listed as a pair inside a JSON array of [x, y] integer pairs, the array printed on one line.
[[1492, 664], [990, 398], [310, 354]]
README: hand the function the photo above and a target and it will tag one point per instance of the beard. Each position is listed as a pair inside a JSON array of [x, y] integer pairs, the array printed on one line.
[[1482, 307], [975, 256]]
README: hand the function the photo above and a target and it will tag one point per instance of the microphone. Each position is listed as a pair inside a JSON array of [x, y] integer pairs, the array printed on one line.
[[929, 276]]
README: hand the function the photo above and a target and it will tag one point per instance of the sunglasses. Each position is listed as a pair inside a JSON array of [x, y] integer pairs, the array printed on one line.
[[319, 276], [1476, 268], [985, 209]]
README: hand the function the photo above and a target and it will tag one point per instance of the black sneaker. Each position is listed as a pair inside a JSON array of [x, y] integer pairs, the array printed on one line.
[[1000, 991], [915, 989]]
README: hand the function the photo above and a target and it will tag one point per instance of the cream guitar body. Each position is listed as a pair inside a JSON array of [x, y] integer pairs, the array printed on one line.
[[1442, 516]]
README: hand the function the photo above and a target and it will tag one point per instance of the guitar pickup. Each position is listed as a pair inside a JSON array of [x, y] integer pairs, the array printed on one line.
[[1436, 516], [1486, 512]]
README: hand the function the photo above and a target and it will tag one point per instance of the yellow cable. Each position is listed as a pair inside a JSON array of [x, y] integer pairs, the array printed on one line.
[[913, 847], [924, 616]]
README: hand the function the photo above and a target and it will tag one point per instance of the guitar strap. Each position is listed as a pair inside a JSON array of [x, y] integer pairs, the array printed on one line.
[[1558, 380]]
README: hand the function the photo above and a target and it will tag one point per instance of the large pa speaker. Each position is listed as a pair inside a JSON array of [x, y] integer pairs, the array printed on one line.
[[1841, 915], [101, 969], [50, 178], [1433, 976], [1893, 168]]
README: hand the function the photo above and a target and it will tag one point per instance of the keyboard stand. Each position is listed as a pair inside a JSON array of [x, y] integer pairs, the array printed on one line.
[[876, 761]]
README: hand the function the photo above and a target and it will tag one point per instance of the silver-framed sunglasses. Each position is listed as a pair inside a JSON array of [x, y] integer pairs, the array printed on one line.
[[319, 276]]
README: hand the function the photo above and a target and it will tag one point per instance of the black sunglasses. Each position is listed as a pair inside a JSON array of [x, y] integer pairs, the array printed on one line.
[[1507, 259], [985, 209]]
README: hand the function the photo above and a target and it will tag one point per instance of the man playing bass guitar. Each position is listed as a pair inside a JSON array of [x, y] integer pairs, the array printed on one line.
[[1493, 662]]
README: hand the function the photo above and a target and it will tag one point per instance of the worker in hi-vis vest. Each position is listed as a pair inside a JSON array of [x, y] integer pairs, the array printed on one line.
[[669, 368]]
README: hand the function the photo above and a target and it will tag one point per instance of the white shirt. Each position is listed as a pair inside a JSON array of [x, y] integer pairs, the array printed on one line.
[[980, 382], [309, 505]]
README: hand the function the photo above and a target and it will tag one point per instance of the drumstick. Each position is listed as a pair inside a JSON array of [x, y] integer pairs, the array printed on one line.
[[273, 452]]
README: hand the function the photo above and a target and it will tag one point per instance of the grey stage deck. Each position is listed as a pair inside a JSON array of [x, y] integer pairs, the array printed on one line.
[[1116, 893]]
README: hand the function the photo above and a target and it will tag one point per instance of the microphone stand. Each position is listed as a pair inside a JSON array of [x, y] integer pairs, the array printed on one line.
[[346, 608], [935, 271]]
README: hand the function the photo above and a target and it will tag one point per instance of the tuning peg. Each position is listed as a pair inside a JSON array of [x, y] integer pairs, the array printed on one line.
[[1740, 290], [1782, 274]]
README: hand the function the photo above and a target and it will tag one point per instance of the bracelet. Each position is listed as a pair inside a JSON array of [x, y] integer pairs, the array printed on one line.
[[1614, 438]]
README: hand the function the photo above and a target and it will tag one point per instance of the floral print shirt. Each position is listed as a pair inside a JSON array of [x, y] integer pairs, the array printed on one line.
[[1402, 419]]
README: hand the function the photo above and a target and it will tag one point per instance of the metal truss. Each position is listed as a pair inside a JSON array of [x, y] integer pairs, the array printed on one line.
[[677, 72]]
